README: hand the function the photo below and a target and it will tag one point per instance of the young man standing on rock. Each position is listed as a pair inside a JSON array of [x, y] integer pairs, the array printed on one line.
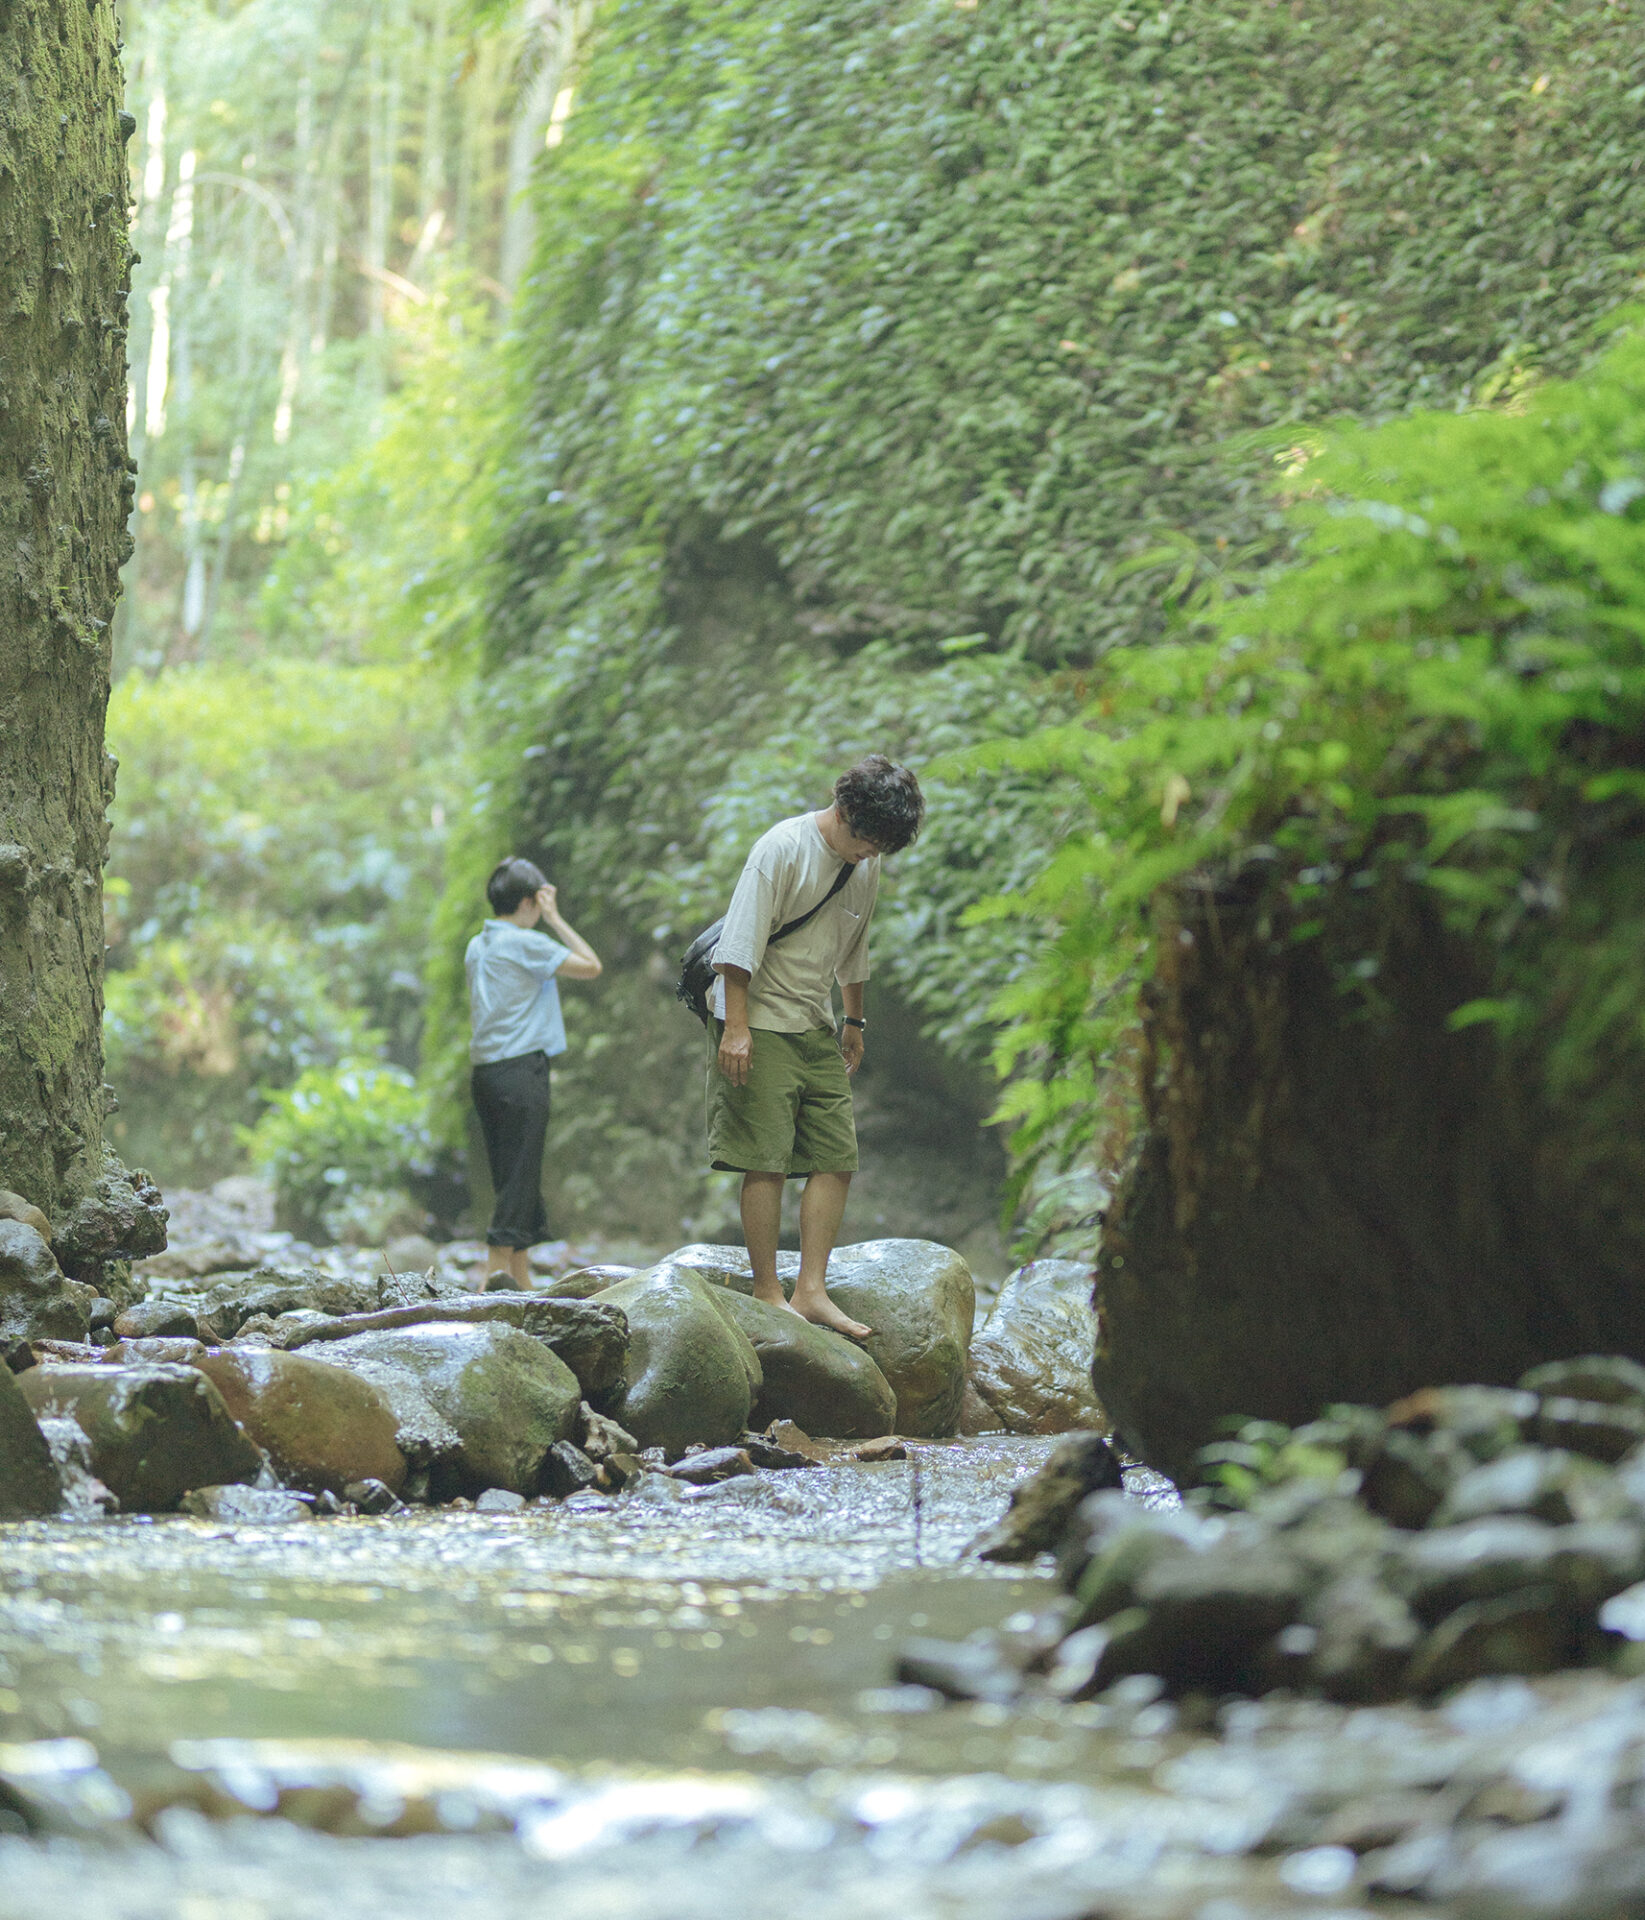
[[779, 1092]]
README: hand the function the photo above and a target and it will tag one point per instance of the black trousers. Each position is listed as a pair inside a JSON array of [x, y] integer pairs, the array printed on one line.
[[511, 1098]]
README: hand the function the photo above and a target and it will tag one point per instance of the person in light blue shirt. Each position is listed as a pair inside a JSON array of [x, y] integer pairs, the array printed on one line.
[[514, 970]]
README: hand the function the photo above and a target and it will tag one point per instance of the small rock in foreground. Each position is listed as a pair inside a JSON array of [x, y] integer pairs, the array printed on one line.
[[1042, 1505], [245, 1503]]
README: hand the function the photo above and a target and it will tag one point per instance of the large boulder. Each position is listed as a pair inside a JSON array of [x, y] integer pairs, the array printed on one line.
[[322, 1427], [920, 1300], [591, 1339], [37, 1300], [693, 1375], [917, 1296], [29, 1481], [1031, 1361], [812, 1376], [476, 1405], [155, 1431]]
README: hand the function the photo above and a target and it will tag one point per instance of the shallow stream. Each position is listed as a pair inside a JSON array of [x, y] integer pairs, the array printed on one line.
[[676, 1704]]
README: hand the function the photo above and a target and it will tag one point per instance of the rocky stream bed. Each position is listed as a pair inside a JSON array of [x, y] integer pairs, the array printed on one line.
[[351, 1590]]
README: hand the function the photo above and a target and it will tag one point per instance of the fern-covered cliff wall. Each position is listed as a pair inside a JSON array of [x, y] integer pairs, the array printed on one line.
[[884, 367]]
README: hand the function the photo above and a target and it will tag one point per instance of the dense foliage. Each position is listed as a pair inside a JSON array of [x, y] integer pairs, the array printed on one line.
[[276, 855], [884, 370], [1448, 692], [308, 178], [339, 1145]]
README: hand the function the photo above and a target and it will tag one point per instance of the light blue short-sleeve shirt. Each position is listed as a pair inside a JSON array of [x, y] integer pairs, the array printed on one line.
[[513, 997]]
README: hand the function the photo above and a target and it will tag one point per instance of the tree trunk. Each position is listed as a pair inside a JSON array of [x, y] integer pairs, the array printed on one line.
[[65, 493]]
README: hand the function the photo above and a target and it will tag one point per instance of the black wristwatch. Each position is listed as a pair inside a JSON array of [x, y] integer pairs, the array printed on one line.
[[861, 1025]]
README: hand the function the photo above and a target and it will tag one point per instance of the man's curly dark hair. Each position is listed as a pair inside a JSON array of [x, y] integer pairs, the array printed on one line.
[[880, 801]]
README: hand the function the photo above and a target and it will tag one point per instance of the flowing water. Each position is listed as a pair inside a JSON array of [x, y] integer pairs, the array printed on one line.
[[667, 1705]]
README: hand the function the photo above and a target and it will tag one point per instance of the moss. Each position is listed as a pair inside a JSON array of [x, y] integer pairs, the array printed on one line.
[[64, 495]]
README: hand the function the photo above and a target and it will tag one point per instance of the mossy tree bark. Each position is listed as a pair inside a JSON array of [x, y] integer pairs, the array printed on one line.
[[65, 493]]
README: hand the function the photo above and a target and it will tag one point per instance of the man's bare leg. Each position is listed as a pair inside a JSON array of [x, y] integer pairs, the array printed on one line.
[[822, 1208], [762, 1211]]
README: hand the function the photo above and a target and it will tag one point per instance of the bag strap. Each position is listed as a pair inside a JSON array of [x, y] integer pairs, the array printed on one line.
[[793, 926]]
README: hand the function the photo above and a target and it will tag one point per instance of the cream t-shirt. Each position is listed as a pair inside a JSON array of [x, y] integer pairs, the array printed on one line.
[[789, 870]]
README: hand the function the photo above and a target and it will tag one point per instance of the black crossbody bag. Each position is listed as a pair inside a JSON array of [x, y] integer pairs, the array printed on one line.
[[697, 969]]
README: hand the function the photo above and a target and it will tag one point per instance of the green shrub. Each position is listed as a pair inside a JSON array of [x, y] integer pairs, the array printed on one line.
[[277, 845], [341, 1133]]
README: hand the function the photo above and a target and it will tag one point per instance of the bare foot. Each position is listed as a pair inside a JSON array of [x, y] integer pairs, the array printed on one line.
[[822, 1312]]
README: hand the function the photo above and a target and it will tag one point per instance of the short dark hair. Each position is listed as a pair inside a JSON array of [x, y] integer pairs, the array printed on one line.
[[512, 880], [880, 801]]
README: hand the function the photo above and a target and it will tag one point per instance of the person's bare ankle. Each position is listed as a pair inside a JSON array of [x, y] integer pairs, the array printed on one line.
[[770, 1291]]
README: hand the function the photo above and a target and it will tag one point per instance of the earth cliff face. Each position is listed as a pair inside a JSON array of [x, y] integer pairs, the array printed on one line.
[[1337, 1196]]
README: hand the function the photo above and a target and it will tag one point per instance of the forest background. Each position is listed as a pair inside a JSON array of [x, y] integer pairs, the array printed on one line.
[[579, 434]]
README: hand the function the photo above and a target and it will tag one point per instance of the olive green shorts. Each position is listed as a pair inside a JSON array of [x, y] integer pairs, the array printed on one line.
[[793, 1116]]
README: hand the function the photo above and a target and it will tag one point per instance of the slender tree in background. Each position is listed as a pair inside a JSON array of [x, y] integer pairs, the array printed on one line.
[[65, 493]]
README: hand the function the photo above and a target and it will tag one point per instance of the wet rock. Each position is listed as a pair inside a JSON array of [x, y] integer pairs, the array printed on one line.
[[43, 1352], [321, 1426], [1600, 1430], [766, 1453], [84, 1495], [711, 1465], [591, 1339], [155, 1432], [122, 1218], [14, 1207], [476, 1405], [1031, 1361], [1407, 1475], [1209, 1614], [1438, 1572], [499, 1500], [958, 1669], [157, 1319], [273, 1291], [599, 1437], [810, 1375], [30, 1484], [238, 1503], [890, 1447], [917, 1296], [1092, 1524], [37, 1299], [1364, 1637], [372, 1497], [976, 1415], [1043, 1505], [161, 1352], [919, 1300], [1124, 1543], [568, 1470], [1547, 1483], [619, 1470], [793, 1438], [1530, 1631], [692, 1375], [1607, 1378], [586, 1282]]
